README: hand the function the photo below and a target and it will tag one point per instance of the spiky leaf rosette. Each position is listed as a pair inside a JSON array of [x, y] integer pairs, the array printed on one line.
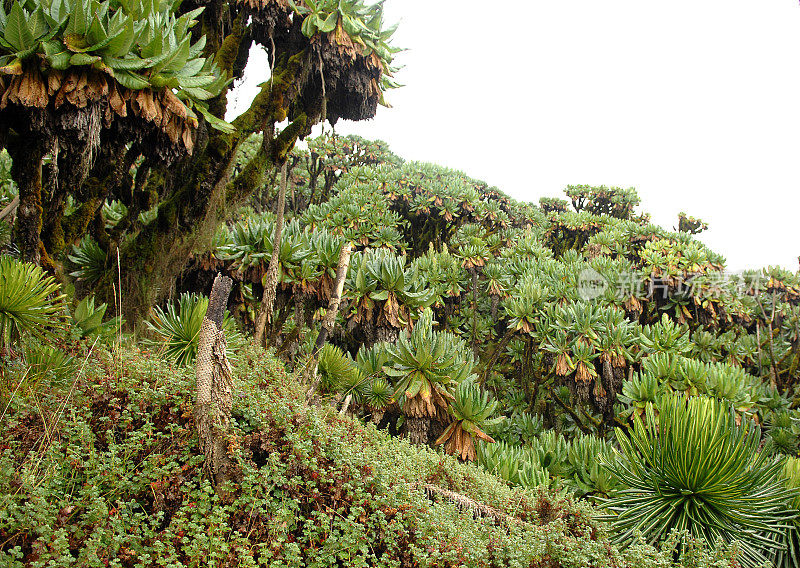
[[698, 468], [379, 394], [790, 557], [471, 410], [425, 365], [177, 328], [89, 260], [30, 302], [116, 60]]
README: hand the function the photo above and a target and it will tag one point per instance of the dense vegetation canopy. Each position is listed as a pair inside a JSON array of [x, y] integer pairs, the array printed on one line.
[[451, 377]]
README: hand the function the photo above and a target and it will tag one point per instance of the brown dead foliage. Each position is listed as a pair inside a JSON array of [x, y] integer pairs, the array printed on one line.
[[82, 87]]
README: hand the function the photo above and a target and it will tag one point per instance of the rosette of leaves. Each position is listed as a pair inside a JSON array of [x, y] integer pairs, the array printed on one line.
[[30, 302], [337, 371], [551, 450], [698, 468], [47, 366], [688, 375], [472, 412], [585, 475], [88, 319], [177, 328], [385, 294], [665, 336], [731, 384], [425, 366], [134, 55], [705, 346], [516, 465], [394, 289], [520, 428], [113, 212], [783, 430], [642, 390], [524, 304], [378, 395], [40, 367], [250, 242], [90, 262]]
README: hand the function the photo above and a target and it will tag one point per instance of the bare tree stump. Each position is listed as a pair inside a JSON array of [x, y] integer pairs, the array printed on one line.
[[212, 409]]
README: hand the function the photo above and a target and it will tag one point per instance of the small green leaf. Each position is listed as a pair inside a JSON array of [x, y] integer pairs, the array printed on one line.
[[196, 81], [198, 93], [17, 33], [308, 28], [83, 59], [215, 122], [79, 18], [132, 63], [330, 23], [131, 80]]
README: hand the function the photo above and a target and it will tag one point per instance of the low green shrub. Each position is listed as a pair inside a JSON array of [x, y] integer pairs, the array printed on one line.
[[112, 477]]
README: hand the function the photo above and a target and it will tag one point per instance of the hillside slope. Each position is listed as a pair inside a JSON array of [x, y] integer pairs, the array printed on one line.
[[106, 472]]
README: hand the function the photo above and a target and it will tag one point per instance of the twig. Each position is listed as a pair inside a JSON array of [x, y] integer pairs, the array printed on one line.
[[10, 208]]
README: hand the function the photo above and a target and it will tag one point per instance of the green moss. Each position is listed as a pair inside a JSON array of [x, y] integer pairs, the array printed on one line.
[[272, 103], [225, 57], [249, 179], [285, 141]]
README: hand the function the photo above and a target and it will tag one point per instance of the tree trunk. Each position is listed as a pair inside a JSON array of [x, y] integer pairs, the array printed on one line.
[[417, 429], [271, 278], [212, 410], [386, 334], [26, 170], [330, 316]]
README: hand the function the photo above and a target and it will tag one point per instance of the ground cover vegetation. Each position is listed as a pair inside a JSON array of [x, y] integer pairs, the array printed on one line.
[[577, 354], [451, 377]]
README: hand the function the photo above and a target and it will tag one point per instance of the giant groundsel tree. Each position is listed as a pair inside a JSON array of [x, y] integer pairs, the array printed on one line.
[[124, 100]]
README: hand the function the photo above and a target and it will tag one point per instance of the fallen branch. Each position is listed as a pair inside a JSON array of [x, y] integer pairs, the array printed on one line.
[[479, 510]]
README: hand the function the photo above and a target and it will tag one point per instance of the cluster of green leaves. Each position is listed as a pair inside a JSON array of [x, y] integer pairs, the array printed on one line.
[[549, 459], [363, 24], [427, 364], [177, 328], [141, 43], [697, 466], [30, 302]]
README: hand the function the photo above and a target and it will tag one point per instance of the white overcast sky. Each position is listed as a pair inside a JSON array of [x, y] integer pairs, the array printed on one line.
[[695, 103]]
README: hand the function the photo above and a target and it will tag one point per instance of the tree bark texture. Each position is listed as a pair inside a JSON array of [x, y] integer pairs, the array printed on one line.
[[212, 410], [417, 429], [271, 278], [330, 316]]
